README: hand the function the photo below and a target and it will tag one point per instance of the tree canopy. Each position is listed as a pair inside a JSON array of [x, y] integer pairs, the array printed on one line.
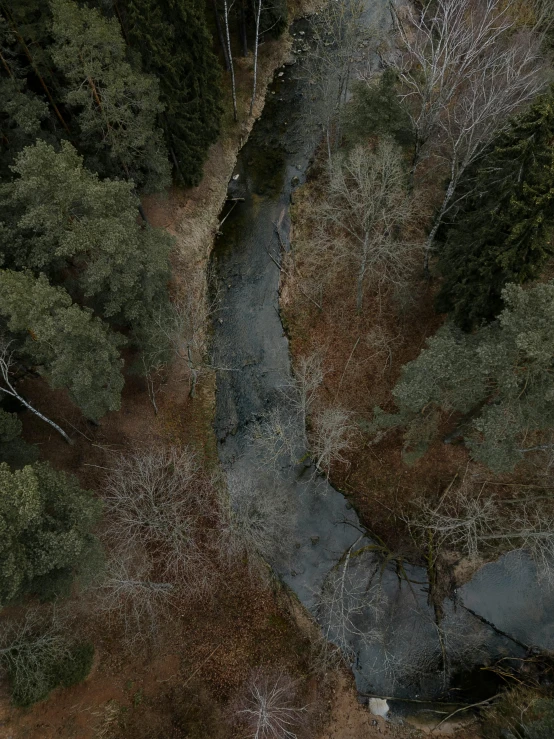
[[116, 106], [46, 523], [84, 232], [71, 347], [175, 45], [505, 230], [497, 383]]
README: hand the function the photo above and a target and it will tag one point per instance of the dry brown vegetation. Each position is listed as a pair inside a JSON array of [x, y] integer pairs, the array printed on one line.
[[362, 354]]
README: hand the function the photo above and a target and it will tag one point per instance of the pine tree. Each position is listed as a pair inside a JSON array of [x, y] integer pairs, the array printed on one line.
[[25, 41], [83, 232], [13, 450], [505, 230], [46, 521], [21, 114], [176, 46], [70, 347], [499, 380], [116, 107]]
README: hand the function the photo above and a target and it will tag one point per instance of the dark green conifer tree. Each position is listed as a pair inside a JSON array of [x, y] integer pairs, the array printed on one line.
[[116, 106], [83, 233], [504, 232], [176, 46]]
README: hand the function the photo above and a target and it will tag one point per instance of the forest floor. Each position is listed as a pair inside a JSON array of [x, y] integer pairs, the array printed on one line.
[[362, 357]]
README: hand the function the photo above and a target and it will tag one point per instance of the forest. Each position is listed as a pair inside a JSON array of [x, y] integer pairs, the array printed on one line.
[[261, 263]]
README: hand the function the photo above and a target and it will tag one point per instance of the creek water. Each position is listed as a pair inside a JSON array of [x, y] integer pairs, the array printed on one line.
[[378, 612]]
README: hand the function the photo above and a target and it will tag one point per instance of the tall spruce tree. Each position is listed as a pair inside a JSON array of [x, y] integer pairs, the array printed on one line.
[[497, 382], [116, 106], [176, 46], [505, 231], [83, 233]]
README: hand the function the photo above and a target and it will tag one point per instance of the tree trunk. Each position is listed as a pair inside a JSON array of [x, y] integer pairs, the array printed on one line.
[[44, 86], [242, 29], [230, 53], [256, 44], [221, 36], [438, 221], [44, 418]]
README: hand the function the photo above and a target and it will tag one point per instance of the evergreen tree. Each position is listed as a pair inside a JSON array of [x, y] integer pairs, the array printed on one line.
[[25, 41], [71, 348], [116, 106], [176, 46], [83, 232], [13, 450], [504, 232], [46, 521], [499, 379], [375, 110], [21, 114]]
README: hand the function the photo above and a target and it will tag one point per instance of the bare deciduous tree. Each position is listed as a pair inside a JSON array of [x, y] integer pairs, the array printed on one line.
[[339, 34], [28, 649], [362, 218], [259, 519], [476, 522], [129, 588], [303, 385], [344, 597], [332, 436], [268, 710], [464, 69], [155, 499]]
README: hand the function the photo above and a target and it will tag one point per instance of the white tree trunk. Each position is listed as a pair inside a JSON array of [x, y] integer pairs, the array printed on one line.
[[256, 44], [226, 9]]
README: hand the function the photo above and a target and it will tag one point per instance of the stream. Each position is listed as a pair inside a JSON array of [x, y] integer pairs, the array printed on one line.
[[378, 612]]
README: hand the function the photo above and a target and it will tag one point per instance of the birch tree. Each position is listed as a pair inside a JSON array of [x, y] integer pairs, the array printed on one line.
[[362, 216], [226, 10], [339, 34], [464, 69]]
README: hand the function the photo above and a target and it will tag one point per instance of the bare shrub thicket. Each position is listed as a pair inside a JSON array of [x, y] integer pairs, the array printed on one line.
[[360, 223], [155, 499], [161, 527], [473, 521], [179, 326], [259, 520], [267, 709], [29, 647], [278, 437], [464, 68], [303, 428], [344, 598]]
